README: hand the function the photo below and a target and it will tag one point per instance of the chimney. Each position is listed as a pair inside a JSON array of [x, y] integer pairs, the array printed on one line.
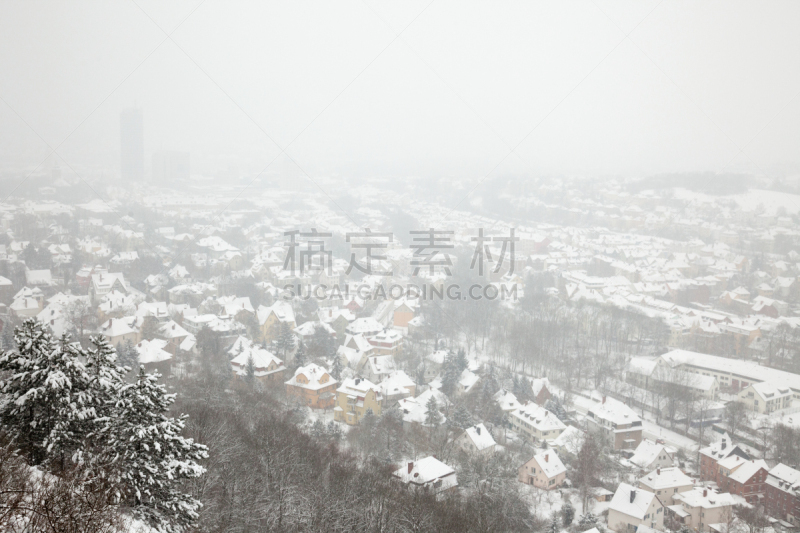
[[604, 401], [547, 458], [110, 321], [633, 495], [705, 493], [724, 444], [358, 380], [410, 466], [658, 471], [478, 430]]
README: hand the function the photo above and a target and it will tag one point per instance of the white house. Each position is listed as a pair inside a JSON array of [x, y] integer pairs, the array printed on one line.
[[631, 507], [477, 440]]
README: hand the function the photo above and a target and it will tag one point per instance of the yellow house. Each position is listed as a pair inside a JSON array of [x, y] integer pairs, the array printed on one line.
[[354, 398], [270, 319]]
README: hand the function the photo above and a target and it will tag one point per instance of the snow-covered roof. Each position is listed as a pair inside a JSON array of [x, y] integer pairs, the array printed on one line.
[[785, 478], [312, 377], [398, 382], [539, 417], [152, 351], [264, 362], [480, 437], [366, 326], [506, 400], [427, 470], [665, 478], [550, 463], [614, 411], [748, 470], [705, 498], [283, 312], [621, 502], [747, 370], [646, 452]]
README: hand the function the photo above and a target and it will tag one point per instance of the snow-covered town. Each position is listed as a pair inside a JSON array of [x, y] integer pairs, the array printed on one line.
[[625, 378], [306, 267]]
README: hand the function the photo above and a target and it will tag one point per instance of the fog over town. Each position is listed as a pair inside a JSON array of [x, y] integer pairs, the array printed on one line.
[[400, 267]]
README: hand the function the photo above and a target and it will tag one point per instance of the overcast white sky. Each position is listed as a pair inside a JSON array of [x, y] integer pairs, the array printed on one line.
[[559, 82]]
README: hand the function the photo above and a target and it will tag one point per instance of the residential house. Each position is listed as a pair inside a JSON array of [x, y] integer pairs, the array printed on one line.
[[544, 470], [396, 386], [104, 282], [403, 314], [429, 475], [153, 356], [354, 398], [355, 352], [367, 326], [650, 455], [415, 410], [717, 451], [700, 507], [765, 398], [541, 392], [264, 365], [666, 483], [506, 400], [631, 507], [389, 342], [313, 386], [476, 440], [536, 423], [271, 319], [377, 368], [617, 423], [782, 494], [120, 330], [174, 334], [745, 478]]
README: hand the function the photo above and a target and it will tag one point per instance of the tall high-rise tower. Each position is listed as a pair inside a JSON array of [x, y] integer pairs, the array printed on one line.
[[131, 137]]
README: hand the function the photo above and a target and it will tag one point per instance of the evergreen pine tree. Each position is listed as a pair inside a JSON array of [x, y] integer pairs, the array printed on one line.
[[250, 370], [336, 368], [450, 377], [107, 380], [461, 418], [285, 342], [587, 521], [432, 415], [567, 514], [300, 358], [153, 457], [49, 400], [461, 360], [420, 375], [127, 355]]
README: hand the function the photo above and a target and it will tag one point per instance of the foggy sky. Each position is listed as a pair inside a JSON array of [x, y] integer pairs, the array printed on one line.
[[692, 85]]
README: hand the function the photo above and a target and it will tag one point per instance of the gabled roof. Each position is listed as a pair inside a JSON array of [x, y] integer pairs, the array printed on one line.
[[480, 437], [621, 502], [748, 470], [666, 478], [152, 351], [647, 452], [549, 463]]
